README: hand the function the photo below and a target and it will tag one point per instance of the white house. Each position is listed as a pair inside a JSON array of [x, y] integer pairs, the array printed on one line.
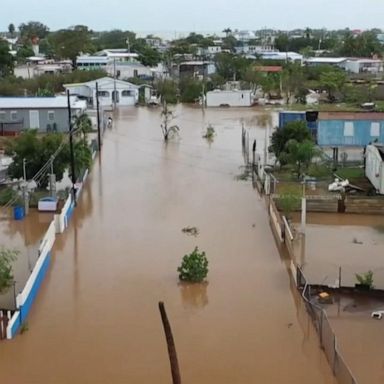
[[110, 91], [334, 61], [106, 57], [230, 98], [374, 166], [373, 66]]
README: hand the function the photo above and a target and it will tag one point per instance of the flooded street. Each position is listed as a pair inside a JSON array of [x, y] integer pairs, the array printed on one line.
[[96, 318]]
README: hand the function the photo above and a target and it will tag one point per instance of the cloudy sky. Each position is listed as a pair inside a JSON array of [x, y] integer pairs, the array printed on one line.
[[196, 15]]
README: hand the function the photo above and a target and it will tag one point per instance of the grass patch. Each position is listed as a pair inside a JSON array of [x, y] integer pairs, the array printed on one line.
[[351, 173]]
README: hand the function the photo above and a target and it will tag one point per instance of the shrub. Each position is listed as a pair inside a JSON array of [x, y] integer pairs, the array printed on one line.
[[6, 276], [194, 267], [365, 279]]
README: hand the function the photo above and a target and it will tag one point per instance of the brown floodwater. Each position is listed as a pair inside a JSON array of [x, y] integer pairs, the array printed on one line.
[[96, 318]]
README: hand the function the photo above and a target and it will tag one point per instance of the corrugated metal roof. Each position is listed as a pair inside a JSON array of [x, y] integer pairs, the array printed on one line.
[[40, 102]]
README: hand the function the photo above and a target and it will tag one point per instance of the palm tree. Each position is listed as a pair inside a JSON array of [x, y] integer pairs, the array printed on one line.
[[227, 31]]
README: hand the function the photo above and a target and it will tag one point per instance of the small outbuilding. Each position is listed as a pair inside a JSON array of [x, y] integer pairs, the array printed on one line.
[[374, 166], [230, 98]]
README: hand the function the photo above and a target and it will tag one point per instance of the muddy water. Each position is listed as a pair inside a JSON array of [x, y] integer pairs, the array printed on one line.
[[96, 318]]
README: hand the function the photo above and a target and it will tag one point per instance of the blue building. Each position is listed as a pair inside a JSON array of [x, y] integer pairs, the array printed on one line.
[[341, 129], [310, 117]]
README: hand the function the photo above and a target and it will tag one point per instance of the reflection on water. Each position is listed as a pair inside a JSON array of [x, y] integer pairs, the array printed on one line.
[[194, 295]]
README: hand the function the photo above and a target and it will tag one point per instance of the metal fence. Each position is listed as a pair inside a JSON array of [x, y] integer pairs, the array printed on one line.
[[328, 340]]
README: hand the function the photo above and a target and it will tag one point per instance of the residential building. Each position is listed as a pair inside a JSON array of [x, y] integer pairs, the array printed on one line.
[[374, 166], [334, 61], [111, 91], [281, 56], [363, 65], [209, 51], [46, 114], [339, 129], [104, 58], [349, 129], [31, 69], [196, 68]]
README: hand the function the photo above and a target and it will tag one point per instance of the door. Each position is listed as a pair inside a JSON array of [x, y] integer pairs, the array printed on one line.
[[34, 121]]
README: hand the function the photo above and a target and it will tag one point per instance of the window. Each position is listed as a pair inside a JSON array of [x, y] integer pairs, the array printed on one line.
[[51, 116], [2, 116], [375, 129], [126, 93], [13, 115], [349, 129], [103, 93]]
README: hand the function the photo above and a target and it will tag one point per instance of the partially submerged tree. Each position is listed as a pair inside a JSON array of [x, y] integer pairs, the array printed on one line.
[[300, 154], [194, 267], [7, 256], [167, 129]]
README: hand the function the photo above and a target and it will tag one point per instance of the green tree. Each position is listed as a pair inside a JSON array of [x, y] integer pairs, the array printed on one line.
[[167, 90], [38, 151], [147, 55], [7, 257], [230, 66], [190, 89], [11, 29], [333, 82], [24, 52], [293, 79], [69, 43], [6, 60], [300, 154], [33, 29], [364, 45], [295, 130]]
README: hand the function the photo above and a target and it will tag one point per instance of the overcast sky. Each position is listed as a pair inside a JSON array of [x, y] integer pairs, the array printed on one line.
[[196, 15]]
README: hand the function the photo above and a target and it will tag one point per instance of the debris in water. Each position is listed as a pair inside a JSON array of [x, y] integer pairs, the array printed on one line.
[[193, 231], [253, 225], [289, 325], [355, 241]]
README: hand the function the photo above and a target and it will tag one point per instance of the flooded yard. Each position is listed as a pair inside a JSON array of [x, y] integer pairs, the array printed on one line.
[[351, 242], [360, 337], [24, 236], [96, 318]]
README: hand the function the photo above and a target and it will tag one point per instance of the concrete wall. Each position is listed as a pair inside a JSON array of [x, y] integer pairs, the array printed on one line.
[[25, 299]]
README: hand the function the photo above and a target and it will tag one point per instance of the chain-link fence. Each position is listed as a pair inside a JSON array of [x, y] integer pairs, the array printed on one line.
[[328, 340]]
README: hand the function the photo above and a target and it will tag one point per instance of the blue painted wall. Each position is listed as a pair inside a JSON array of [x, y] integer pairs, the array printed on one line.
[[331, 133], [16, 325], [26, 307]]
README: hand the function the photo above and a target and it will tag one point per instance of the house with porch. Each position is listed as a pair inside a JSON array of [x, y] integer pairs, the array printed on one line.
[[46, 114], [110, 91]]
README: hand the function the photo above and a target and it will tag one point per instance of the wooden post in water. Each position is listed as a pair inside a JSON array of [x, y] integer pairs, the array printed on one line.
[[176, 379]]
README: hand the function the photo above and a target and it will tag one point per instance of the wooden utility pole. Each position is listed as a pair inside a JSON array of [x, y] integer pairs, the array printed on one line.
[[73, 176], [98, 116], [176, 379]]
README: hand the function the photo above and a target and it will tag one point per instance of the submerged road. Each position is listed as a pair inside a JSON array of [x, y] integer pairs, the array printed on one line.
[[96, 318]]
